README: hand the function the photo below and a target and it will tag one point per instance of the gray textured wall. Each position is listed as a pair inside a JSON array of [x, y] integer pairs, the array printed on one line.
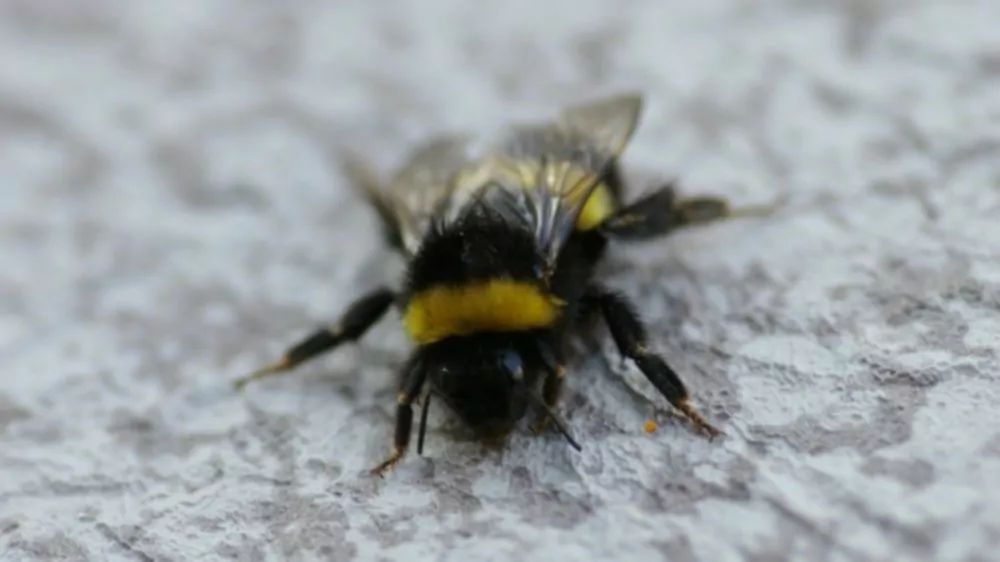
[[172, 219]]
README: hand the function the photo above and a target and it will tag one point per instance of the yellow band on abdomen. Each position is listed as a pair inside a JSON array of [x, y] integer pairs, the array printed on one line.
[[495, 305]]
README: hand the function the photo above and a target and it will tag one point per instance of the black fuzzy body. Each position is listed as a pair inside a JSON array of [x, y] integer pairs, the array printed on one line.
[[504, 238], [488, 244]]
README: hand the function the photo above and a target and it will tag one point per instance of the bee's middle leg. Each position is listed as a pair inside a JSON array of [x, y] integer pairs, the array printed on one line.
[[358, 319]]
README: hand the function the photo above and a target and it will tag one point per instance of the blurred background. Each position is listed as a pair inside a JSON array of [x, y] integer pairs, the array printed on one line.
[[171, 216]]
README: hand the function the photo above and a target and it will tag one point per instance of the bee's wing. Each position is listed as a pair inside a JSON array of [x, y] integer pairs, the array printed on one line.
[[424, 185], [545, 195], [433, 162], [364, 179], [555, 167], [609, 122]]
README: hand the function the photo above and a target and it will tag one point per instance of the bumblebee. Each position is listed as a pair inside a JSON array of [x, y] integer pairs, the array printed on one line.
[[501, 242]]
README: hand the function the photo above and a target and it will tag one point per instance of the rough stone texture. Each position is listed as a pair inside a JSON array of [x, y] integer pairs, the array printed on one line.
[[172, 218]]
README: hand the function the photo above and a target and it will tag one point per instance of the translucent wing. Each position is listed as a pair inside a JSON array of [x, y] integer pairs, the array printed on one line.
[[609, 123], [550, 170], [366, 182], [419, 190], [544, 173]]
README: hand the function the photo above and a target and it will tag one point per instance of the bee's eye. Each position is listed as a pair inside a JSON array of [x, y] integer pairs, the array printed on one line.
[[511, 363]]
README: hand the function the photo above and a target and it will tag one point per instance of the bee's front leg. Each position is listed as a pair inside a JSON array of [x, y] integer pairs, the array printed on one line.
[[413, 381]]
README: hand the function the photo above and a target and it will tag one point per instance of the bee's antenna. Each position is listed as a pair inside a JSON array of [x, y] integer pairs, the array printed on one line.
[[559, 423]]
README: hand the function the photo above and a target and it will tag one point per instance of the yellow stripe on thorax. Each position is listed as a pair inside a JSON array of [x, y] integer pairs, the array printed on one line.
[[494, 305]]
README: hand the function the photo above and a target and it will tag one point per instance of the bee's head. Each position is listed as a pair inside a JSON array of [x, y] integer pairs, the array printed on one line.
[[483, 379]]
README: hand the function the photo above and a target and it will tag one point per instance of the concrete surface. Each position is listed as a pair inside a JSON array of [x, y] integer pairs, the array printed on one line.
[[172, 218]]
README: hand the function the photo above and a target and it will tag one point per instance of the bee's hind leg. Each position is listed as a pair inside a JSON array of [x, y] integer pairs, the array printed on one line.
[[662, 212], [360, 316]]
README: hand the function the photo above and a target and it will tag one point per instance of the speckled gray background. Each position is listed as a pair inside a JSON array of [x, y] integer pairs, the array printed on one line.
[[172, 217]]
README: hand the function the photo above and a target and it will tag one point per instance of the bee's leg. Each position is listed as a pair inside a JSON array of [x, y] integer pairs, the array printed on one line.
[[413, 381], [662, 212], [359, 317], [423, 423], [630, 337]]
